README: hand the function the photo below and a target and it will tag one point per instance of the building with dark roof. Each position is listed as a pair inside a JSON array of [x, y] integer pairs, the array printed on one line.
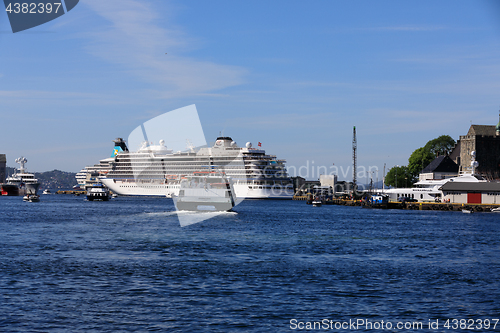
[[440, 168]]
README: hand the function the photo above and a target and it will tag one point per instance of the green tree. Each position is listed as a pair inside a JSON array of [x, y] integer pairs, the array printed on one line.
[[403, 177], [418, 160], [441, 145], [422, 156]]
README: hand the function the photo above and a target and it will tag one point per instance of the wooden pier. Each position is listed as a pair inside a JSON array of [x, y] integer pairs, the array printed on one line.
[[79, 192], [448, 206]]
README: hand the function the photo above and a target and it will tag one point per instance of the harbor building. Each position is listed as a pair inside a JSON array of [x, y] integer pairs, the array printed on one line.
[[328, 180], [3, 166], [471, 193]]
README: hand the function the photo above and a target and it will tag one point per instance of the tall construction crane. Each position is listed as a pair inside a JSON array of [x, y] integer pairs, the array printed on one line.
[[354, 158]]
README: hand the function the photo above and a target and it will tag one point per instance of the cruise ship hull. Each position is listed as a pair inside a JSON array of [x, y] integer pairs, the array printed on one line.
[[242, 191], [20, 190], [10, 189]]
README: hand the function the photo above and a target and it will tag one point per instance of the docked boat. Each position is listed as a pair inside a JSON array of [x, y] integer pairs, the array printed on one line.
[[98, 192], [378, 200], [317, 203], [155, 170], [428, 190], [205, 191], [21, 182], [46, 191]]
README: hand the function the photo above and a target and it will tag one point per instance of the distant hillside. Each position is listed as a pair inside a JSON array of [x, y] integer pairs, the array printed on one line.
[[54, 179]]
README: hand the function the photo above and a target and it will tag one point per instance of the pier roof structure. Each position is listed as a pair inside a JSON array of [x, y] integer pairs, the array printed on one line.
[[471, 187]]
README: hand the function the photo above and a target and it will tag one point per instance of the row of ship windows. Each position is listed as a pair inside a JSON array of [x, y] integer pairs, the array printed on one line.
[[231, 173], [172, 167], [144, 186]]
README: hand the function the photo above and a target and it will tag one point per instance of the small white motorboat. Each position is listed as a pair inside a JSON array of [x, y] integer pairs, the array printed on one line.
[[467, 211], [31, 198], [317, 203]]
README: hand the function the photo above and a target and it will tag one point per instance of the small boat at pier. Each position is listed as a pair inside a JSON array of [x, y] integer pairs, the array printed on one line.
[[317, 202], [379, 200]]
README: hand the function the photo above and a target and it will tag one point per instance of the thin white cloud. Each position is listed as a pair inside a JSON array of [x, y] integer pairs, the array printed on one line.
[[40, 94], [137, 42], [410, 28]]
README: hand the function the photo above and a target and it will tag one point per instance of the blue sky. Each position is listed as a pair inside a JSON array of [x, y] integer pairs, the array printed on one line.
[[294, 75]]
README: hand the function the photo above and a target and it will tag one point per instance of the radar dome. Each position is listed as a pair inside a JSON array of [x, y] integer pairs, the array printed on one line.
[[162, 142], [249, 145]]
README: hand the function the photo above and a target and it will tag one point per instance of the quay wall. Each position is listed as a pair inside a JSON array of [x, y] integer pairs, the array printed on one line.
[[484, 207]]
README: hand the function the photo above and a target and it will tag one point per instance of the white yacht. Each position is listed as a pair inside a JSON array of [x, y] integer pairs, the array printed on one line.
[[21, 182], [428, 189], [156, 170]]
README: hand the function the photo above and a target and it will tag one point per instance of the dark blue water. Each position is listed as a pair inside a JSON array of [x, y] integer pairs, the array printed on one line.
[[68, 265]]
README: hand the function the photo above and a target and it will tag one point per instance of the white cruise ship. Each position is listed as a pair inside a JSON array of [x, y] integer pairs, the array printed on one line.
[[155, 170]]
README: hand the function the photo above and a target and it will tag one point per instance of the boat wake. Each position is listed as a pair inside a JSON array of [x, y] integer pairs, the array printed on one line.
[[188, 217]]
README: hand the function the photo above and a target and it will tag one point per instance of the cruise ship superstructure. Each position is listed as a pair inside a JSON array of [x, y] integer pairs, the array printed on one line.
[[157, 170]]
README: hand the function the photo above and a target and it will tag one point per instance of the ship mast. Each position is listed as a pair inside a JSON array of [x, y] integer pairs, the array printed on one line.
[[354, 158]]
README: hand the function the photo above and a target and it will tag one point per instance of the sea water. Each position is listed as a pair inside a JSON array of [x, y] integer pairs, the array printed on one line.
[[70, 265]]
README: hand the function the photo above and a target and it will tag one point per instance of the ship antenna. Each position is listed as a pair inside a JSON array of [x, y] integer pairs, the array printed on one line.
[[21, 160], [189, 145], [354, 158]]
